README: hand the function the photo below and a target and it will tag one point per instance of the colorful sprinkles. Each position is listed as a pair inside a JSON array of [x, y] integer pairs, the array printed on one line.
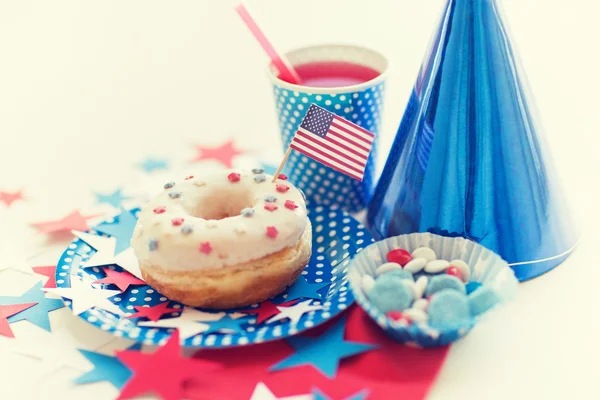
[[282, 188], [270, 207], [206, 248], [152, 244], [282, 177], [169, 185], [257, 171], [233, 177], [289, 204], [260, 178], [187, 229], [160, 210], [270, 198], [247, 212], [272, 232], [175, 195], [177, 221]]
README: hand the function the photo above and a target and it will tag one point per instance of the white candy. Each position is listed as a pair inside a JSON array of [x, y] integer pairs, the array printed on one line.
[[463, 268], [415, 265], [387, 267], [436, 266], [415, 315], [367, 282], [420, 304], [424, 252], [421, 285]]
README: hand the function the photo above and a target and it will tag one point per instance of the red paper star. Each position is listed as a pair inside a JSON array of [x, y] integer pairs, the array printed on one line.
[[223, 154], [50, 272], [72, 222], [9, 311], [122, 279], [378, 371], [9, 198], [267, 310], [163, 372], [153, 313]]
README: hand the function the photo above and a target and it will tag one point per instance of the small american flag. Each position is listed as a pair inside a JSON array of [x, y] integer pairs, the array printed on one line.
[[333, 141]]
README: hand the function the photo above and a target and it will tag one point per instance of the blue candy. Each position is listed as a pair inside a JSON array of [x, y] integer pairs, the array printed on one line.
[[390, 293], [400, 273], [482, 300], [472, 286], [448, 308], [441, 282]]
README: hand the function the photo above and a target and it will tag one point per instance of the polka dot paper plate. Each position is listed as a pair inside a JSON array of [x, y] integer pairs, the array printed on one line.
[[336, 238]]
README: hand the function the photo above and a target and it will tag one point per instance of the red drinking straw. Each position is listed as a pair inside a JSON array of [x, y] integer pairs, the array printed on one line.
[[286, 71]]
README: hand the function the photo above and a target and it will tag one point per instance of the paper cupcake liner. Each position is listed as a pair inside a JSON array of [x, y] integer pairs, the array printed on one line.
[[486, 267]]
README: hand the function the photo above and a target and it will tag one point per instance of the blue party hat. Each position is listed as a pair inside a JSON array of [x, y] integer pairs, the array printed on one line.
[[468, 158]]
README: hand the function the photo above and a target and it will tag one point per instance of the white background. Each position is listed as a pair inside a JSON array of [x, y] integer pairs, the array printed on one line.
[[88, 89]]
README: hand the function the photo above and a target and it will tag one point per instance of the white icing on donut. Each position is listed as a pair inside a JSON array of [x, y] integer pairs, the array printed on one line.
[[197, 223]]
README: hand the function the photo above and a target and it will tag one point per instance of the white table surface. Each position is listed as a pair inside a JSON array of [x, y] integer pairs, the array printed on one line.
[[90, 88]]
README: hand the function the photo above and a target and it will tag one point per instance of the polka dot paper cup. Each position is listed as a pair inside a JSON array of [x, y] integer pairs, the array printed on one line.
[[485, 266], [360, 103]]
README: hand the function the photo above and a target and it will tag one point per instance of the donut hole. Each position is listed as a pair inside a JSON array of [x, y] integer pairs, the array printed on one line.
[[221, 205]]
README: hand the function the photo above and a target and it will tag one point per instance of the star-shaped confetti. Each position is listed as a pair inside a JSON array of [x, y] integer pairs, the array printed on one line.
[[121, 229], [262, 392], [226, 325], [9, 311], [16, 265], [38, 314], [8, 198], [153, 313], [72, 221], [303, 289], [105, 253], [190, 323], [106, 368], [163, 372], [266, 310], [319, 395], [295, 312], [48, 271], [224, 153], [83, 297], [153, 164], [55, 350], [121, 279], [114, 199], [323, 353]]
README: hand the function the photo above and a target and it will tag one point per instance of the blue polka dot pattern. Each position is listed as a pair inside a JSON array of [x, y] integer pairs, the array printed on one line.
[[336, 238], [321, 184]]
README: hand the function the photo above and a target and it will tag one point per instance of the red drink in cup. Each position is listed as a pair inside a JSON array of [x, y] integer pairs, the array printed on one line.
[[345, 80]]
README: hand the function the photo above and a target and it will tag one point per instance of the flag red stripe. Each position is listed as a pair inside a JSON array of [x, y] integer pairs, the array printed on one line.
[[352, 124], [356, 160], [325, 162], [323, 153], [343, 138], [353, 134]]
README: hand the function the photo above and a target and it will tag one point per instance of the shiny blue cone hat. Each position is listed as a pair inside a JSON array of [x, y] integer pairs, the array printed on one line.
[[468, 158]]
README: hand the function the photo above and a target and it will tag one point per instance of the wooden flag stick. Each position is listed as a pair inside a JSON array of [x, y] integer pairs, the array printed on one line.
[[285, 157]]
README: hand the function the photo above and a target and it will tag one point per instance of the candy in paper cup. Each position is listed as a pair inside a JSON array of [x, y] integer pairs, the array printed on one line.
[[360, 103], [486, 268]]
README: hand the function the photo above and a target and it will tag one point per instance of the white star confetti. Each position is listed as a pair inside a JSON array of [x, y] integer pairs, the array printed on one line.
[[295, 312], [83, 297]]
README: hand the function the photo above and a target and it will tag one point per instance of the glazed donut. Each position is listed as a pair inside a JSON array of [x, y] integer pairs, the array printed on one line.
[[225, 240]]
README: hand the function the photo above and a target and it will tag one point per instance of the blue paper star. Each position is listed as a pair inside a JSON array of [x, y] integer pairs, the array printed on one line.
[[152, 164], [324, 352], [228, 323], [318, 395], [106, 368], [303, 289], [122, 230], [115, 199], [38, 314]]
